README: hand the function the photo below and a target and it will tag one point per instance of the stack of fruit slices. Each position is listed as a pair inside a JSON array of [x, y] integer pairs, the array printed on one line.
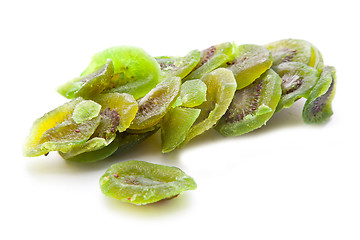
[[125, 95]]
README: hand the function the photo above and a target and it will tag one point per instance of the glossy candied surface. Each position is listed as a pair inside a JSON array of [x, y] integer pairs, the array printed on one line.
[[140, 183]]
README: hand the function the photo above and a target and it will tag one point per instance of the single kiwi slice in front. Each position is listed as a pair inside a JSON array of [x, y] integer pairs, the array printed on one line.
[[251, 61], [212, 58], [251, 106], [298, 80], [317, 108]]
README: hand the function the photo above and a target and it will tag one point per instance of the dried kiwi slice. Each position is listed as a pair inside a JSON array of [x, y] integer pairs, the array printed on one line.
[[156, 103], [123, 104], [92, 150], [252, 106], [221, 86], [175, 125], [85, 111], [98, 149], [90, 85], [178, 66], [251, 61], [297, 81], [317, 108], [316, 60], [290, 50], [57, 131], [142, 183], [212, 58], [135, 71], [192, 93], [117, 112], [295, 50]]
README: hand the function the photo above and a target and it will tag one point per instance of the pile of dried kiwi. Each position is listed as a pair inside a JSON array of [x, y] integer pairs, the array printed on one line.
[[125, 95]]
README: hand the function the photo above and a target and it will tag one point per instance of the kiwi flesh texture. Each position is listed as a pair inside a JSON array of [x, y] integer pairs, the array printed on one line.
[[316, 60], [192, 93], [221, 87], [178, 66], [175, 125], [135, 71], [47, 121], [117, 112], [317, 108], [251, 61], [298, 80], [251, 106], [103, 135], [91, 84], [154, 105], [290, 50], [212, 58], [85, 111], [99, 151], [123, 104]]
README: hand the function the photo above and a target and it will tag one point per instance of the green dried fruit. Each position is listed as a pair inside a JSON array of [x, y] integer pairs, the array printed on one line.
[[297, 81], [192, 93], [122, 104], [251, 61], [316, 60], [117, 112], [252, 106], [92, 150], [98, 149], [178, 66], [212, 58], [135, 71], [295, 50], [156, 103], [221, 86], [317, 108], [142, 183], [90, 85], [85, 111], [57, 130], [290, 50], [175, 125]]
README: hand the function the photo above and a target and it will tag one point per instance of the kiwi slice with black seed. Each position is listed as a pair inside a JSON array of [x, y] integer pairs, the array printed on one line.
[[57, 130], [91, 84], [178, 66], [212, 58], [251, 61], [295, 50], [298, 79], [154, 105], [317, 108], [135, 71], [251, 106]]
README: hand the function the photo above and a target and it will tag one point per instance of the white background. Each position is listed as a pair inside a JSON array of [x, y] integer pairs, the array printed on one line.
[[285, 181]]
